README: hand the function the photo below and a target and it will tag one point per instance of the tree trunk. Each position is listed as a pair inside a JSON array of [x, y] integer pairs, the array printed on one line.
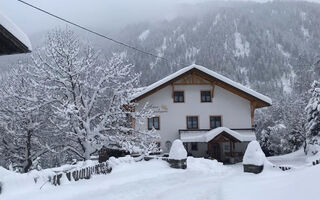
[[28, 161]]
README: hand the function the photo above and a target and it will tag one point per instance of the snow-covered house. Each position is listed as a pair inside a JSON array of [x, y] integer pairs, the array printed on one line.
[[12, 39], [211, 114]]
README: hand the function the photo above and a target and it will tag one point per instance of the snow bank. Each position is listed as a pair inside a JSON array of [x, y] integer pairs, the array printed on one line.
[[177, 151], [206, 166], [33, 180], [254, 155], [118, 161], [17, 183]]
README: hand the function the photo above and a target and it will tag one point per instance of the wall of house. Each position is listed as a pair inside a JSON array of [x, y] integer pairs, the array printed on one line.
[[202, 149], [235, 110]]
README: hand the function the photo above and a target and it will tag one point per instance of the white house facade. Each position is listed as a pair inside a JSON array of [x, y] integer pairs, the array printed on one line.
[[212, 115]]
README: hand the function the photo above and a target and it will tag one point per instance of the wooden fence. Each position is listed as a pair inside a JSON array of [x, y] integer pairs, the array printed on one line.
[[316, 162], [284, 168], [84, 173]]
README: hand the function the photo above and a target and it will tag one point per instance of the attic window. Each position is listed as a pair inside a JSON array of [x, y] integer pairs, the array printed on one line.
[[178, 97], [205, 96]]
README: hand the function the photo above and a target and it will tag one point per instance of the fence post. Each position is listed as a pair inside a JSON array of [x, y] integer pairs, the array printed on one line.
[[68, 175], [59, 179]]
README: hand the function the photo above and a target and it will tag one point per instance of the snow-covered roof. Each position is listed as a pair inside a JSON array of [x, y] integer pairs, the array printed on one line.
[[6, 23], [209, 72], [202, 136]]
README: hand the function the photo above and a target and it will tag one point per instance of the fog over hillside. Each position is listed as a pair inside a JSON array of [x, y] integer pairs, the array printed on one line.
[[266, 46]]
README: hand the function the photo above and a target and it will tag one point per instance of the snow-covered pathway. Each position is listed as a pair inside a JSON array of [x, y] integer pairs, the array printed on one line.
[[142, 180], [203, 180]]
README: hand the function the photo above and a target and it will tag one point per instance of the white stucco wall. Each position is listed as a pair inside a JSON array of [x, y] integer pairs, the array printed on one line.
[[235, 110]]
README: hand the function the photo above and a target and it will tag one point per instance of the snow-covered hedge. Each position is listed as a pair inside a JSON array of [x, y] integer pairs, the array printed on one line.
[[177, 151]]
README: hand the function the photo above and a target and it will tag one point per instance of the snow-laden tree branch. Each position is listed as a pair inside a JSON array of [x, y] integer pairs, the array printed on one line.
[[89, 95]]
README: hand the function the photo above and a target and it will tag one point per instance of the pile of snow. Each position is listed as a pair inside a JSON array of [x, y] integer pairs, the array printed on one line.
[[12, 182], [254, 155], [294, 159], [118, 161], [206, 166], [177, 151]]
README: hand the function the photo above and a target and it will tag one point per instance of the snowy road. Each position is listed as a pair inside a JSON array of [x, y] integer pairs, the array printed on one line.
[[203, 180]]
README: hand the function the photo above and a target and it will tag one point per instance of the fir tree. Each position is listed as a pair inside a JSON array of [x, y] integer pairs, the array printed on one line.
[[313, 119]]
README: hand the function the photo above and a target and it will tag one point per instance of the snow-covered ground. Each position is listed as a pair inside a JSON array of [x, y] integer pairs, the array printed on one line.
[[296, 159], [204, 179]]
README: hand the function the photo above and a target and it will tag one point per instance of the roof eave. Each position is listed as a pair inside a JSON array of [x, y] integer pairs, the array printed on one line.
[[261, 103]]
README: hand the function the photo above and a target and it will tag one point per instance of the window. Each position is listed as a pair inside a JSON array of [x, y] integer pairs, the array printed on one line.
[[154, 122], [178, 96], [194, 146], [192, 122], [226, 147], [205, 96], [215, 121]]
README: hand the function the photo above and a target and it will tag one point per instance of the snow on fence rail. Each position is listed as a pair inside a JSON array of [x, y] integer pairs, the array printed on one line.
[[84, 173], [87, 171]]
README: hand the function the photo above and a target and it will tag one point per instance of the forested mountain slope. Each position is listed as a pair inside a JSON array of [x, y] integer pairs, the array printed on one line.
[[267, 46]]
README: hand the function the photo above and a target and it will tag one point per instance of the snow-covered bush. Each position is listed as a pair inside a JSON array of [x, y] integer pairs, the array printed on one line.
[[177, 151], [254, 155]]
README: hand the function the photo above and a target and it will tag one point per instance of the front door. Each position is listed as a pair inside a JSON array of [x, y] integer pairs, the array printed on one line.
[[216, 151]]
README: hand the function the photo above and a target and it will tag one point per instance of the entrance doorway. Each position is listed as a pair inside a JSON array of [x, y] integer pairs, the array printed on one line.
[[216, 151]]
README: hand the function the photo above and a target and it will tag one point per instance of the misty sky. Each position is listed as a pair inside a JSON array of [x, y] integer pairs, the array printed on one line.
[[100, 15]]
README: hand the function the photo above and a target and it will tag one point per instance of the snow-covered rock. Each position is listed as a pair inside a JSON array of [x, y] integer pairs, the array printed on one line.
[[177, 151], [254, 155]]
